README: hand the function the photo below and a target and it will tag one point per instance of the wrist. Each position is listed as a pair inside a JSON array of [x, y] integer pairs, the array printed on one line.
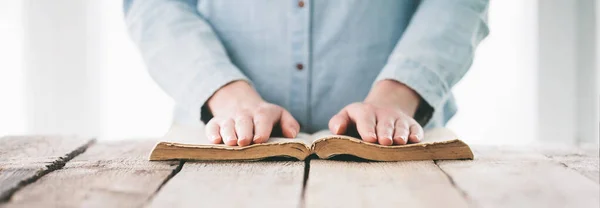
[[231, 96], [394, 94]]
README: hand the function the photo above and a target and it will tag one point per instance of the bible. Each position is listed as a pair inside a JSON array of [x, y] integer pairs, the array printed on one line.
[[438, 144]]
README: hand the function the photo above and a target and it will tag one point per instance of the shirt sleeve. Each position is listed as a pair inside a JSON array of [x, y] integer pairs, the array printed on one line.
[[180, 49], [437, 48]]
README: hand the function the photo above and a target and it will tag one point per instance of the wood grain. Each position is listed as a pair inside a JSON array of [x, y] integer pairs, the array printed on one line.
[[234, 184], [379, 184], [27, 158], [520, 177], [583, 159], [116, 174]]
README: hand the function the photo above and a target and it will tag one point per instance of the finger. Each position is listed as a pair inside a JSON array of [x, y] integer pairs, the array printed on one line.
[[263, 125], [339, 122], [243, 130], [401, 131], [212, 132], [228, 132], [364, 118], [289, 126], [416, 133], [385, 130]]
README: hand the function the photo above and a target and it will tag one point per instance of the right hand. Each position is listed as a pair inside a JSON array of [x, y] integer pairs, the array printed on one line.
[[242, 117]]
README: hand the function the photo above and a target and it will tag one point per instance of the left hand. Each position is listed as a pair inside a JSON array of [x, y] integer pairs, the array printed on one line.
[[385, 116]]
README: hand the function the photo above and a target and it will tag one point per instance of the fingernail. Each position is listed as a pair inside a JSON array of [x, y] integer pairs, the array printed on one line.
[[230, 139], [244, 139], [417, 137], [294, 133], [337, 129], [214, 138], [373, 135], [403, 138], [255, 138]]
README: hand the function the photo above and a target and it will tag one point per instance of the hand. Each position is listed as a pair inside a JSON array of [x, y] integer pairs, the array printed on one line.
[[242, 117], [385, 117]]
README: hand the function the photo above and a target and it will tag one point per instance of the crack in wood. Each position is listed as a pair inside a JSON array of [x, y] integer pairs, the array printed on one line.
[[567, 166], [462, 192], [305, 180], [167, 179], [52, 166]]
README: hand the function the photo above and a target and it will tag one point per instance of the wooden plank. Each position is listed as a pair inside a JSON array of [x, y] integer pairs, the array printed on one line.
[[234, 184], [583, 159], [520, 177], [27, 158], [379, 184], [114, 174]]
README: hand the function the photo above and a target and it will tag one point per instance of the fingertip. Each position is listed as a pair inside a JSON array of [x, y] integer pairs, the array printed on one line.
[[332, 128], [290, 132], [231, 141], [289, 125], [258, 139], [387, 141], [370, 137], [338, 123], [400, 140], [414, 138], [244, 141], [293, 133], [334, 125], [416, 133], [212, 132], [215, 139], [296, 131], [338, 128]]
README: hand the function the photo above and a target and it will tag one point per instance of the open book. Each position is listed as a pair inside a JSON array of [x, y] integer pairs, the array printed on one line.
[[438, 144]]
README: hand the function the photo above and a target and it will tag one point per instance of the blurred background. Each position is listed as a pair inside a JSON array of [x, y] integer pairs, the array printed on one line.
[[68, 66]]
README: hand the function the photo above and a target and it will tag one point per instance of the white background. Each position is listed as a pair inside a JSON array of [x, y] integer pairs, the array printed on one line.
[[56, 51]]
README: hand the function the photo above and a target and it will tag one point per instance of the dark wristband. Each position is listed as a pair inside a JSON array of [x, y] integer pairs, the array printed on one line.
[[205, 114], [423, 113]]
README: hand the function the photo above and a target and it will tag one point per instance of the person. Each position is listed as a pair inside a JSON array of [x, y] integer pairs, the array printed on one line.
[[384, 68]]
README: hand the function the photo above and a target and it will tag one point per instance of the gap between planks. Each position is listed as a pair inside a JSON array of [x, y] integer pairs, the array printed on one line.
[[341, 183], [520, 176], [462, 192], [53, 166], [109, 174], [234, 184], [167, 179], [305, 181]]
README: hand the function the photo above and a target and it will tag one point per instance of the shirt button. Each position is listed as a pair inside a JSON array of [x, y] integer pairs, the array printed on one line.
[[299, 67], [301, 3]]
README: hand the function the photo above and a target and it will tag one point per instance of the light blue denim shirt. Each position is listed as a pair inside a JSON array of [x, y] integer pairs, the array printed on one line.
[[312, 57]]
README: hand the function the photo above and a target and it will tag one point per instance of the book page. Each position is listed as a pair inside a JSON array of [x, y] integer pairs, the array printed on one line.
[[194, 134], [302, 137], [321, 134], [438, 134], [431, 135]]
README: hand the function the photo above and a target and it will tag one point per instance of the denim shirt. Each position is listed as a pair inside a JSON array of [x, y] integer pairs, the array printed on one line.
[[312, 57]]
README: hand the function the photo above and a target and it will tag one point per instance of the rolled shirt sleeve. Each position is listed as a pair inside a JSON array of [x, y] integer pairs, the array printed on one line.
[[437, 47], [181, 51]]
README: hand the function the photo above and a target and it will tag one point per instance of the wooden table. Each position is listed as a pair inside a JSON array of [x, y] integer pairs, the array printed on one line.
[[59, 171]]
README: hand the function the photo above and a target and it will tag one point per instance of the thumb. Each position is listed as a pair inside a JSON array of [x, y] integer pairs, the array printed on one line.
[[339, 123], [289, 126]]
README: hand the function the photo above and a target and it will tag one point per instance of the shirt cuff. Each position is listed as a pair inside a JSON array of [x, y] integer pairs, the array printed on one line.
[[204, 85], [426, 82]]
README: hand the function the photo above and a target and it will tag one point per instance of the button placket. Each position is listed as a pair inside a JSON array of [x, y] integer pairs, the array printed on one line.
[[299, 88]]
